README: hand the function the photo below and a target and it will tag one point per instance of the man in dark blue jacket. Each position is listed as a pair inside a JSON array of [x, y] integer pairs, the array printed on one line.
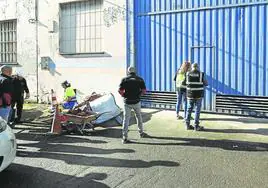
[[131, 88]]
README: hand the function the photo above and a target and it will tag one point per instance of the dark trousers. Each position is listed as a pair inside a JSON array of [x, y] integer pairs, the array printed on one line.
[[18, 102]]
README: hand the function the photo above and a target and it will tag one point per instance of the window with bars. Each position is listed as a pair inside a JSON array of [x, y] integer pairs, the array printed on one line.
[[81, 27], [8, 42]]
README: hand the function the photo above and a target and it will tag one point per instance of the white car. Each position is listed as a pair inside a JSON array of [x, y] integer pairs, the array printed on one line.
[[8, 145]]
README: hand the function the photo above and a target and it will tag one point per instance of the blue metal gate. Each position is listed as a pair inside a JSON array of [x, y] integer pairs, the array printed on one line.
[[228, 38]]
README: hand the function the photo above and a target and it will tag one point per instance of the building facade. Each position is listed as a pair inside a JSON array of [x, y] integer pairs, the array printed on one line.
[[50, 41], [91, 42]]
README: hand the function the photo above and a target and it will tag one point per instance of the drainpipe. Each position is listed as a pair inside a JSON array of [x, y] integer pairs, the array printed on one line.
[[127, 32], [131, 23], [37, 49], [133, 31]]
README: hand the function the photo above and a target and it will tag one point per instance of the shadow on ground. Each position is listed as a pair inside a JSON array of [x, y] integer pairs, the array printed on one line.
[[32, 177], [59, 148], [146, 116], [63, 148], [260, 131], [33, 113], [97, 161], [57, 139], [234, 145], [239, 119]]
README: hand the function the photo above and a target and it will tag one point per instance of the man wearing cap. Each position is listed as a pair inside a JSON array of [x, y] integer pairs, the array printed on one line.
[[195, 82], [6, 91], [131, 88], [20, 86], [69, 96]]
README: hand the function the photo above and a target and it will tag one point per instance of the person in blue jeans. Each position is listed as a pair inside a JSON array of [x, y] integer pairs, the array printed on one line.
[[6, 92], [195, 83], [181, 89], [70, 100]]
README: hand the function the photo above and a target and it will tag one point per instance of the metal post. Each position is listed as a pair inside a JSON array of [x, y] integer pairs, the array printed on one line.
[[134, 31], [37, 49], [127, 32], [131, 49]]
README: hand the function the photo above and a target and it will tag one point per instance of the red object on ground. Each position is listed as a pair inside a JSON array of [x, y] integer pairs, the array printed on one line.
[[64, 118], [56, 123]]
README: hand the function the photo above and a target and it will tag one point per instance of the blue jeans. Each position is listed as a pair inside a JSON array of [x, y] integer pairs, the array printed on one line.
[[191, 104], [4, 113], [69, 105], [181, 95]]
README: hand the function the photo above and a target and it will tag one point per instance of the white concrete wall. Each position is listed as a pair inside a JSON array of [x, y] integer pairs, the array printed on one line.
[[100, 74], [23, 11]]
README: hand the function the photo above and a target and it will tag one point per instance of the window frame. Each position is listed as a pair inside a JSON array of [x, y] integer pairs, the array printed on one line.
[[101, 53], [15, 52]]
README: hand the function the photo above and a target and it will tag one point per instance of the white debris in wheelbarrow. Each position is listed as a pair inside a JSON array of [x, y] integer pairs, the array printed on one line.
[[106, 105]]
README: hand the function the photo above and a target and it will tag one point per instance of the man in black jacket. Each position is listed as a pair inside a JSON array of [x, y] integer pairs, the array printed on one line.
[[195, 82], [20, 86], [6, 91], [131, 88]]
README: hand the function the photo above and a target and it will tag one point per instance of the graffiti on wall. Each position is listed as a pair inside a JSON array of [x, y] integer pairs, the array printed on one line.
[[113, 14]]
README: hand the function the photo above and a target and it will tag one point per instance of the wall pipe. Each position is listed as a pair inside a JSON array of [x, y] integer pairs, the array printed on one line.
[[37, 49]]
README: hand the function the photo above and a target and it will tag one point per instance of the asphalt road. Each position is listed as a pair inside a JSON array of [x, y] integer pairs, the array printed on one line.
[[167, 159]]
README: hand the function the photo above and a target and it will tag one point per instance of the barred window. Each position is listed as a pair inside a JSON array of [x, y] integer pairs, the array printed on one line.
[[81, 27], [8, 41]]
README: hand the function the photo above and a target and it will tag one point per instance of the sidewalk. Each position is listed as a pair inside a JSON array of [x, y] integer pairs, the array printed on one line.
[[217, 127]]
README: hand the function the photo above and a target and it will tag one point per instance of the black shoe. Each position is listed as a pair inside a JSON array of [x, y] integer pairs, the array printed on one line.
[[179, 117], [144, 135], [198, 128], [18, 121], [125, 141], [189, 127], [11, 124]]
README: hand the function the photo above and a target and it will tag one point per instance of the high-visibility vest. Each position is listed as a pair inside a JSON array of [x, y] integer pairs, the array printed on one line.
[[69, 93], [195, 84], [179, 79]]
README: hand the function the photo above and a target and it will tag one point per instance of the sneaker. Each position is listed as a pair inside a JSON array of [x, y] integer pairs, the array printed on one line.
[[198, 128], [189, 127], [179, 117], [143, 135], [125, 141]]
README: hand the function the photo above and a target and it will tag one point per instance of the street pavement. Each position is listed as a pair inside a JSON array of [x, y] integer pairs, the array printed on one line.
[[231, 152]]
